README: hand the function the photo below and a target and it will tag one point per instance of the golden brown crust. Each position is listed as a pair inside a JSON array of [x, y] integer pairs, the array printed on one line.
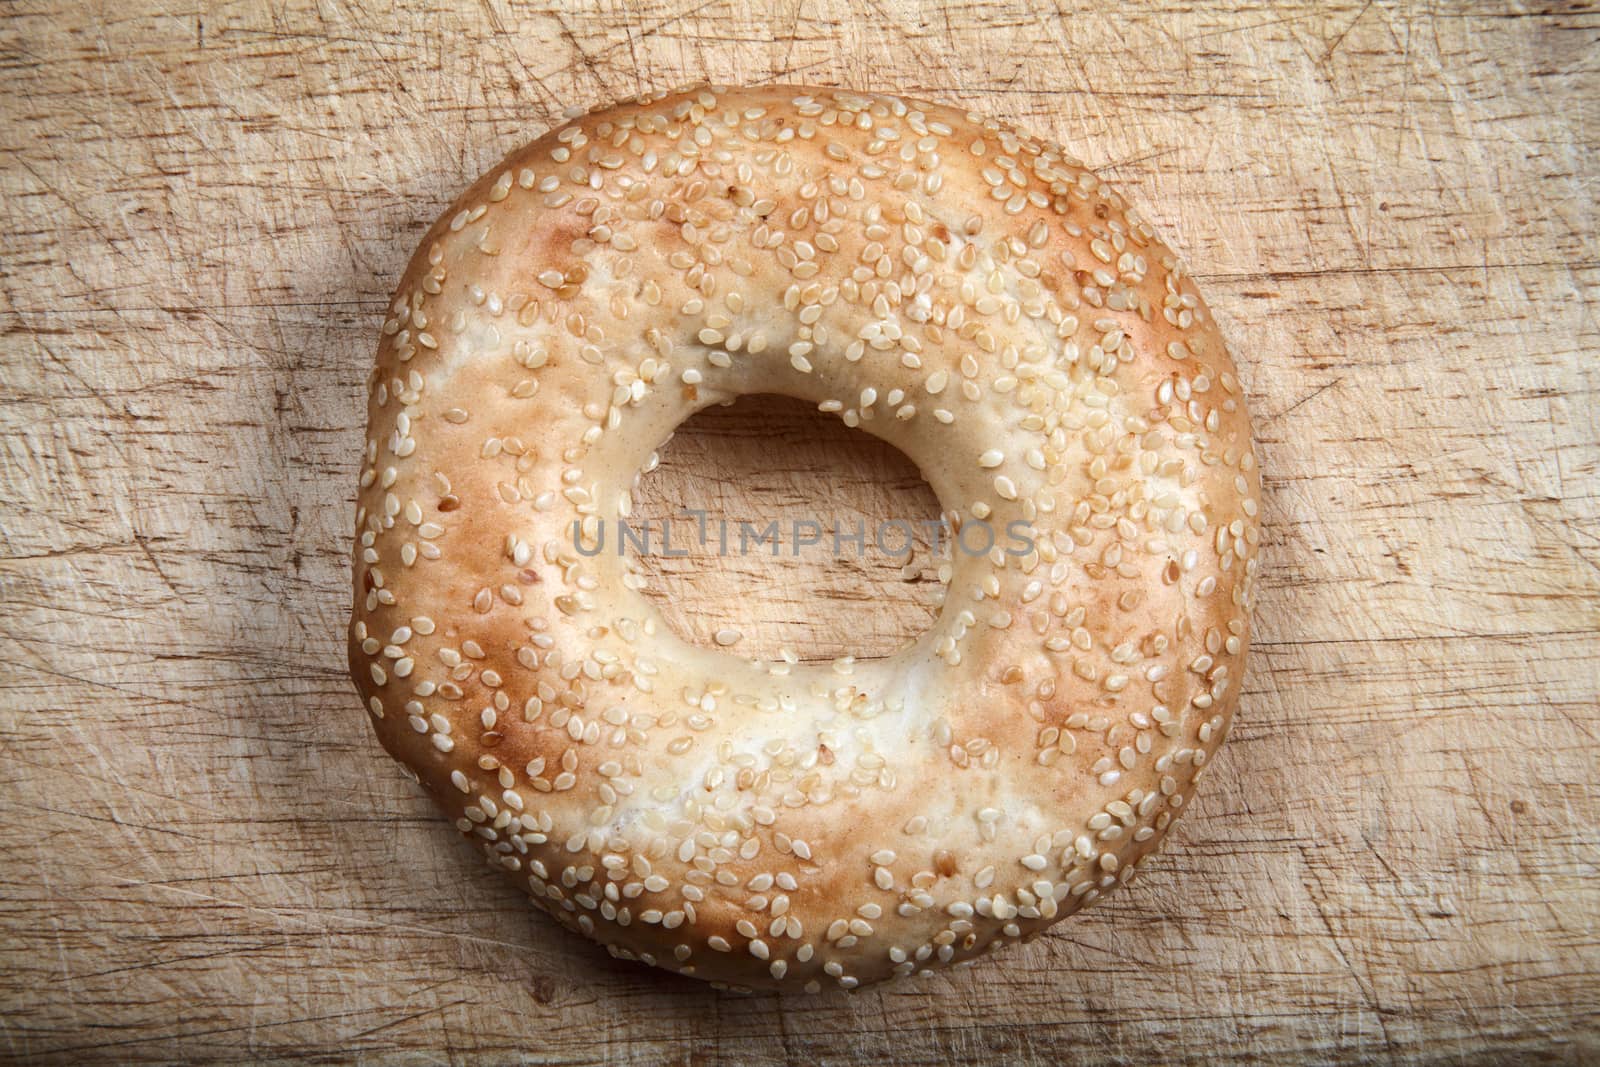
[[973, 296]]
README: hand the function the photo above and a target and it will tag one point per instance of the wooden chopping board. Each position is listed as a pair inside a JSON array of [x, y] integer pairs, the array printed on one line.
[[205, 857]]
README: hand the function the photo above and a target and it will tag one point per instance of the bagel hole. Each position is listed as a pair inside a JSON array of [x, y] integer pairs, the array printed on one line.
[[768, 459]]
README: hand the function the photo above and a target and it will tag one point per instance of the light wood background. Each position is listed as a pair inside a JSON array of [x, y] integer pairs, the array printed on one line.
[[205, 856]]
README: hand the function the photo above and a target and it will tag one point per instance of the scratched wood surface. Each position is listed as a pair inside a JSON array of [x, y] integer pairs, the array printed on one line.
[[205, 857]]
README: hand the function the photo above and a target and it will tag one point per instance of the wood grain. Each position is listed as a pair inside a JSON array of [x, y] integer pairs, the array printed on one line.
[[205, 857]]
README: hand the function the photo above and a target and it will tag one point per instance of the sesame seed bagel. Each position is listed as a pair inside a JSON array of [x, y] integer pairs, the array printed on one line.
[[971, 295]]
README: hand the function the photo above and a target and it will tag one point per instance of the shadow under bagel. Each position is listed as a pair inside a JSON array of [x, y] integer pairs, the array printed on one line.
[[624, 455]]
